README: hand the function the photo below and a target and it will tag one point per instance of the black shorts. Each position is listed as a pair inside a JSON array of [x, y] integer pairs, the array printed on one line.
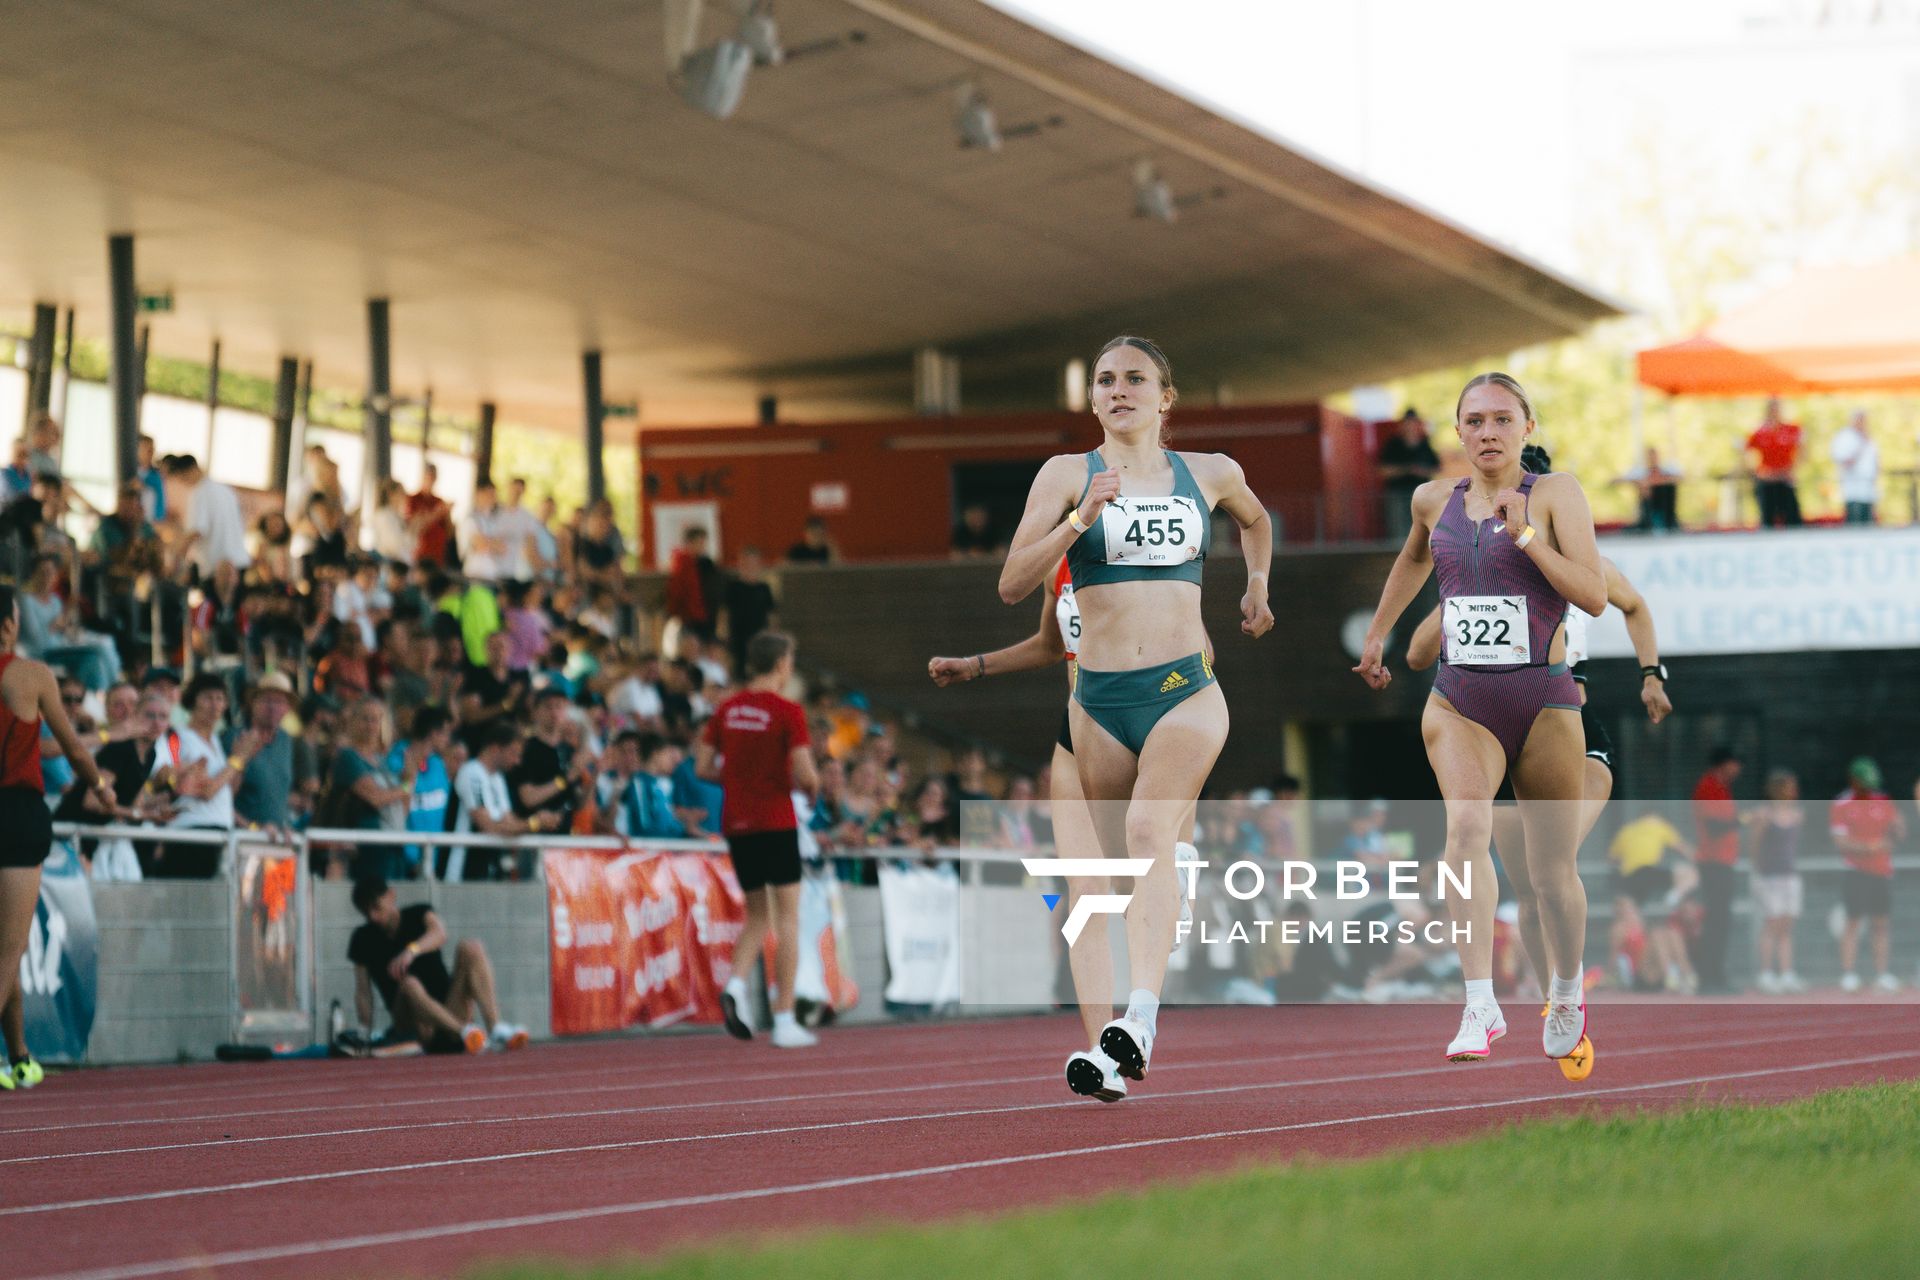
[[26, 827], [1599, 742], [1066, 732], [1647, 885], [761, 858], [1867, 897]]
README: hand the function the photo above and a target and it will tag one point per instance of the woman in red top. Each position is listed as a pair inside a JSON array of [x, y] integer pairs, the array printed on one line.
[[28, 692]]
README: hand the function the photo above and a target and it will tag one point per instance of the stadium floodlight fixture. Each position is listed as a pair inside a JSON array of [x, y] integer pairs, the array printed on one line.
[[976, 123], [1152, 197], [759, 32], [714, 78]]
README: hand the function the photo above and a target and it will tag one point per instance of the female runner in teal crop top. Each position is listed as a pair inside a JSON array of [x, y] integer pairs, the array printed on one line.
[[1148, 719]]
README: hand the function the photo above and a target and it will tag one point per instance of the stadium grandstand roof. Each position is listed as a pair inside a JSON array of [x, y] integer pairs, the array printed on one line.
[[524, 183]]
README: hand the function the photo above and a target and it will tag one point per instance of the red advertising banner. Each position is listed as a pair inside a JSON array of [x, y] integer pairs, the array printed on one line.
[[644, 937], [639, 938]]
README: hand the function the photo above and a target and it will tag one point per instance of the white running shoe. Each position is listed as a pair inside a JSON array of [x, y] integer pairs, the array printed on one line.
[[1887, 982], [1850, 983], [507, 1036], [1768, 983], [1129, 1042], [1480, 1025], [1095, 1075], [1564, 1026], [1791, 983], [792, 1036]]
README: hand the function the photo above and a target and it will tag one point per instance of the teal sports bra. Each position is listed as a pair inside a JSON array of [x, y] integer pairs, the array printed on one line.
[[1136, 539]]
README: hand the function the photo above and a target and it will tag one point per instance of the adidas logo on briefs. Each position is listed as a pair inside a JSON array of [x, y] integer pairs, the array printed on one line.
[[1173, 681]]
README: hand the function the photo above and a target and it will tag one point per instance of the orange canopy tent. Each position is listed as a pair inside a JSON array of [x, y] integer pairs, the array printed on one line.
[[1828, 329]]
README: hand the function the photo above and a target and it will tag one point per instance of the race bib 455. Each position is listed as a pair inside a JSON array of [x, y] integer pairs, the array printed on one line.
[[1153, 531]]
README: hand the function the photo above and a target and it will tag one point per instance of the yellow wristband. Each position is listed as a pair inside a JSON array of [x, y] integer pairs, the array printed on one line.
[[235, 762], [1073, 518], [1526, 536]]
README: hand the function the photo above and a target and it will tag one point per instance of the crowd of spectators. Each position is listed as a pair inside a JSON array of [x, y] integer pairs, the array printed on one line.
[[410, 671]]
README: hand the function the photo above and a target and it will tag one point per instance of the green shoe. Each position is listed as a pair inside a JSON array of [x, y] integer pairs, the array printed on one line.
[[6, 1081], [25, 1074]]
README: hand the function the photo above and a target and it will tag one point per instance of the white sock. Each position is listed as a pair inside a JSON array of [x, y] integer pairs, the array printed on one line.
[[1144, 1007], [1480, 991], [737, 988], [785, 1022], [1565, 990]]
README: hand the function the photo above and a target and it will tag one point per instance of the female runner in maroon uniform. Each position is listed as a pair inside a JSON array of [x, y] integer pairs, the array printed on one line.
[[1512, 551], [28, 693]]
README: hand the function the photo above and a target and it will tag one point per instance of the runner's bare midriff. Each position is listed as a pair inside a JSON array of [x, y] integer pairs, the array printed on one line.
[[1125, 625]]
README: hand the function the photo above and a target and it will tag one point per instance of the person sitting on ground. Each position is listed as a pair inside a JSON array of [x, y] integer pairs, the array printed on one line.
[[397, 951]]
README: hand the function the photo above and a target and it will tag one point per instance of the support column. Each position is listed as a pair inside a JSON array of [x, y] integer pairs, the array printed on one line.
[[140, 404], [483, 445], [286, 392], [213, 398], [123, 375], [46, 317], [379, 395], [302, 414], [596, 428], [66, 372], [426, 427]]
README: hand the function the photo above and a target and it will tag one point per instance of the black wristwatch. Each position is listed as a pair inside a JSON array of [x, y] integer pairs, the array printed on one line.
[[1658, 671]]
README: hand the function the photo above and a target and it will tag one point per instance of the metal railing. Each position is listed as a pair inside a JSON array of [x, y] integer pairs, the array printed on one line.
[[245, 851]]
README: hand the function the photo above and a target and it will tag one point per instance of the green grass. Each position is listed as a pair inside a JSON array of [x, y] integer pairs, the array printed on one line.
[[1826, 1186]]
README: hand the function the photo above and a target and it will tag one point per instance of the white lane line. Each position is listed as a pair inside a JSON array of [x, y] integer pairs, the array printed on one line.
[[414, 1235], [605, 1112], [71, 1101], [88, 1101], [441, 1097], [1445, 1069]]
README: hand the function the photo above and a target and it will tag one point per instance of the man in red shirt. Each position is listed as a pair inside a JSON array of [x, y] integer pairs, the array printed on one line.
[[430, 520], [1772, 451], [1862, 820], [1717, 831], [757, 745]]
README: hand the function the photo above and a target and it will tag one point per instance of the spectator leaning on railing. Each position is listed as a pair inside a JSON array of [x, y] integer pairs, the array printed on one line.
[[483, 801], [1659, 487], [200, 778], [277, 786], [1773, 451], [1406, 462], [1858, 459], [428, 751]]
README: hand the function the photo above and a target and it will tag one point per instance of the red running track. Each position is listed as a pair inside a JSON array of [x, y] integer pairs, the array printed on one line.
[[426, 1166]]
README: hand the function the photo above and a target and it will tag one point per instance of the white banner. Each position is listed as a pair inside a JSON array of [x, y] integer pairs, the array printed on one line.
[[1769, 591], [920, 915]]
